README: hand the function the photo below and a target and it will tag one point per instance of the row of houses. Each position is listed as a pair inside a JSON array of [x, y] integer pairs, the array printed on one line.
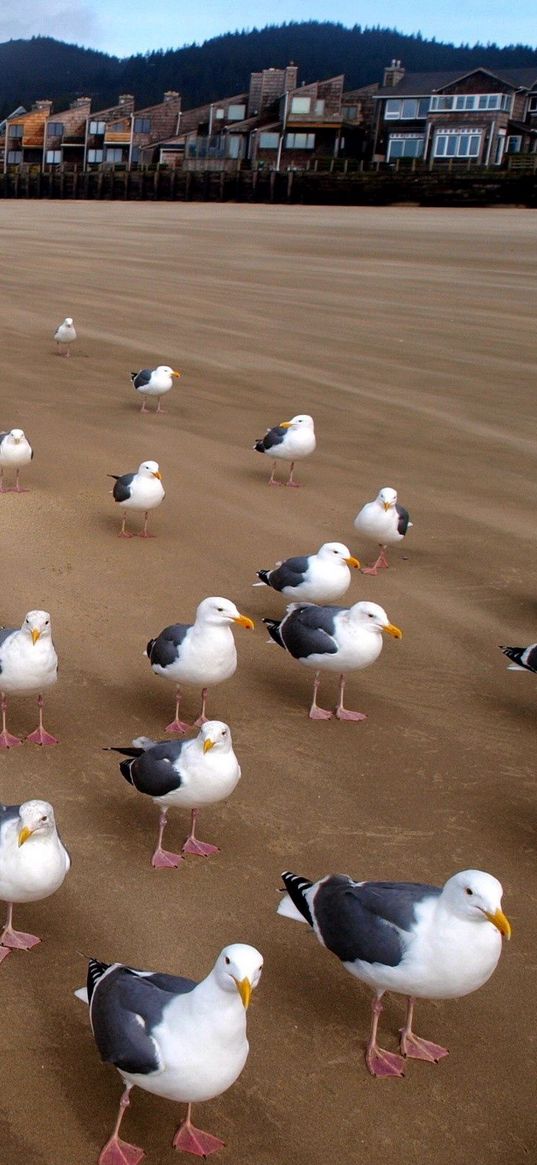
[[479, 116]]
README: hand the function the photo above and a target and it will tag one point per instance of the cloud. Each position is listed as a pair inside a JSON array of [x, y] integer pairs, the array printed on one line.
[[58, 18]]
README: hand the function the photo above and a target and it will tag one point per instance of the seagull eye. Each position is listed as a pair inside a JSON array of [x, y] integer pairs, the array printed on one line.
[[370, 615], [43, 818], [468, 891], [227, 961], [220, 610], [224, 732]]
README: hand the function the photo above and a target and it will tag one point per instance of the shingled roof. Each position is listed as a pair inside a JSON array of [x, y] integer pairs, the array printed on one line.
[[421, 84]]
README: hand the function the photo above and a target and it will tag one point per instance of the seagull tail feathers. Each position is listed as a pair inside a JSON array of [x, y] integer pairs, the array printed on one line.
[[515, 655], [264, 576], [82, 994], [294, 903], [259, 446], [274, 626], [125, 766], [136, 751]]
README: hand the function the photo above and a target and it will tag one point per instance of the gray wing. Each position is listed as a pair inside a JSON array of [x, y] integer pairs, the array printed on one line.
[[139, 379], [5, 632], [289, 574], [121, 490], [404, 519], [2, 435], [126, 1007], [8, 813], [525, 657], [154, 771], [272, 437], [363, 921], [164, 650], [309, 630]]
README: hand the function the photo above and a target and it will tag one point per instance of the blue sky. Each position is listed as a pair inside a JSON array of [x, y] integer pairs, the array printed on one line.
[[124, 28]]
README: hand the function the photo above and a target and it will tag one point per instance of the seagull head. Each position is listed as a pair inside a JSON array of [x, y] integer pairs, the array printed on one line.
[[218, 612], [475, 895], [68, 321], [37, 625], [215, 734], [387, 497], [168, 371], [238, 968], [35, 817], [374, 618], [17, 435], [302, 421], [149, 469], [337, 552]]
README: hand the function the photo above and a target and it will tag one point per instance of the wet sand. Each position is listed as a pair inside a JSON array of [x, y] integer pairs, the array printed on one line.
[[410, 337]]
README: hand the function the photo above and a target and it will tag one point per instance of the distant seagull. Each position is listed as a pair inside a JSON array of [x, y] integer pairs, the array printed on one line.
[[28, 665], [33, 864], [142, 490], [290, 441], [323, 577], [65, 335], [522, 658], [154, 382], [15, 451], [384, 522]]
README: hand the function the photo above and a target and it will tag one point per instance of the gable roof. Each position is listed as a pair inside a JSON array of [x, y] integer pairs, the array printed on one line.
[[422, 84]]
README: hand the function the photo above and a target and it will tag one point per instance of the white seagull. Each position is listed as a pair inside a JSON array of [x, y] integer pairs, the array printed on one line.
[[142, 490], [339, 639], [178, 1039], [385, 522], [15, 451], [65, 335], [154, 382], [201, 653], [323, 577], [289, 441], [28, 665], [183, 774], [33, 864], [421, 941]]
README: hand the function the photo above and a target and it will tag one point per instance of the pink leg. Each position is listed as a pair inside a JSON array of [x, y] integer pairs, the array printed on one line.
[[163, 859], [416, 1048], [117, 1152], [159, 409], [202, 719], [380, 563], [380, 1062], [316, 713], [6, 738], [272, 479], [123, 533], [41, 736], [17, 488], [143, 408], [293, 484], [344, 713], [178, 725], [193, 846], [15, 940], [143, 533], [193, 1140]]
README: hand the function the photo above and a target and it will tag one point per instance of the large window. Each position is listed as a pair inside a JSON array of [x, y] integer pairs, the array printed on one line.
[[467, 102], [407, 108], [457, 143], [349, 112], [514, 144], [269, 141], [533, 105], [97, 127], [14, 156], [15, 131], [95, 155], [409, 146], [319, 106], [236, 112], [142, 125], [55, 129], [300, 104], [53, 157], [300, 141], [114, 155]]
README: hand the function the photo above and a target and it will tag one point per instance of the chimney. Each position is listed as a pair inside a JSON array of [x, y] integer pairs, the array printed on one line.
[[171, 95], [125, 98], [393, 74], [43, 106], [81, 103]]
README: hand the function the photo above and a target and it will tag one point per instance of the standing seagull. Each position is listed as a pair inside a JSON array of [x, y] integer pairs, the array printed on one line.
[[186, 774], [421, 941], [154, 382], [142, 490], [385, 522], [28, 665], [522, 658], [65, 335], [339, 639], [178, 1039], [33, 864], [323, 577], [202, 652], [290, 441], [15, 451]]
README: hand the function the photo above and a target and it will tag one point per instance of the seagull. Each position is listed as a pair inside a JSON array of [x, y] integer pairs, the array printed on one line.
[[178, 1039], [64, 335], [417, 940], [142, 490], [154, 382], [202, 652], [385, 522], [290, 441], [523, 658], [28, 665], [323, 577], [186, 774], [33, 864], [337, 639], [15, 451]]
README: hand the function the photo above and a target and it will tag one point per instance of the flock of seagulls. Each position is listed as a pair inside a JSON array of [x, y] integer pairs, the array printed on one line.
[[168, 1035]]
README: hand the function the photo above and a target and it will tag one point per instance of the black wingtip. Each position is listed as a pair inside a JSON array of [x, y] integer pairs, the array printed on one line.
[[296, 887], [264, 576]]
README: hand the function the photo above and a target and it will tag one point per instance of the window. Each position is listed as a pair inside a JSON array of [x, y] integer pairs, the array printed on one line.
[[349, 112], [407, 146], [514, 144], [142, 125], [233, 145], [466, 102], [14, 156], [114, 155], [135, 154], [53, 157], [16, 131], [319, 106], [393, 109], [300, 141], [218, 113], [236, 112], [533, 105], [97, 127], [457, 143], [300, 104], [410, 108], [269, 141], [95, 155], [55, 129]]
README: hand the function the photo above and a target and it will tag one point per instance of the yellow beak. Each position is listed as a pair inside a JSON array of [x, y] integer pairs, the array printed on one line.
[[35, 635], [499, 920], [352, 561], [285, 424], [24, 834], [207, 744], [245, 991], [386, 505], [244, 621], [157, 474], [393, 630], [177, 374]]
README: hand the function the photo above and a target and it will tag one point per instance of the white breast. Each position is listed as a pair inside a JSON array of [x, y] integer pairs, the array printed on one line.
[[298, 443], [206, 778], [378, 524], [324, 583], [207, 656], [33, 870], [27, 669], [358, 647], [146, 494], [13, 453]]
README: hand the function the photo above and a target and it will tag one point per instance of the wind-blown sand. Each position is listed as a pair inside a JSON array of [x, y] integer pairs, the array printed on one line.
[[410, 337]]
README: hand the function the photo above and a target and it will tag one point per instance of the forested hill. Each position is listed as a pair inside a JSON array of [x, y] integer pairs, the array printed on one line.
[[43, 67]]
